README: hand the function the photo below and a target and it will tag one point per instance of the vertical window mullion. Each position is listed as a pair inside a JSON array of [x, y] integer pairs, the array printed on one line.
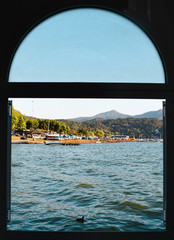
[[9, 162], [164, 160]]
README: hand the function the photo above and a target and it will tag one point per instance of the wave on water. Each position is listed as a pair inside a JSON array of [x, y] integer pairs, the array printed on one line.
[[109, 184], [84, 185], [19, 164], [133, 205]]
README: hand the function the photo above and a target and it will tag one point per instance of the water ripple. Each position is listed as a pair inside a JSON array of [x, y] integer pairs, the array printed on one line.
[[116, 187]]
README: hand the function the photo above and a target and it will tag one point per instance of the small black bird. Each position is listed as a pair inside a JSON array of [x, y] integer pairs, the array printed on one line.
[[80, 219]]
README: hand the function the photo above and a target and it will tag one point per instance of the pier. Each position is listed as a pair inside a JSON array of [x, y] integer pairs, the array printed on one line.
[[62, 143]]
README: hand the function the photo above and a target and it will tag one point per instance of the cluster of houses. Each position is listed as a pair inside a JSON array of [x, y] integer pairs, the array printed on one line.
[[36, 134], [54, 136]]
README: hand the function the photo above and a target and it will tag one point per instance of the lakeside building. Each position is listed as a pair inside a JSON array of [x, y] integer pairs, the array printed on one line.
[[120, 137], [37, 133], [34, 133], [30, 133]]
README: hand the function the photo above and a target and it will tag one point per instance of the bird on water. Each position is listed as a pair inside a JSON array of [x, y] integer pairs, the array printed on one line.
[[80, 219]]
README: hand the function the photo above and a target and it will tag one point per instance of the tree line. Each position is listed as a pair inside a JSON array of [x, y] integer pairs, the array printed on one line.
[[21, 122], [138, 127]]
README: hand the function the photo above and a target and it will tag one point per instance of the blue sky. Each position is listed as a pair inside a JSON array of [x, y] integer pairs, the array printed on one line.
[[87, 45]]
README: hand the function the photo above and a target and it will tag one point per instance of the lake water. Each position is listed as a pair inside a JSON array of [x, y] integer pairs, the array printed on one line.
[[115, 186]]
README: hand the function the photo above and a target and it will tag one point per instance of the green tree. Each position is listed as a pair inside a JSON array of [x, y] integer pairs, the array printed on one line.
[[57, 126], [15, 116], [62, 128], [18, 120], [21, 125], [72, 132], [29, 124], [35, 123], [46, 124], [52, 125], [68, 129], [41, 123], [83, 132], [99, 133], [91, 134]]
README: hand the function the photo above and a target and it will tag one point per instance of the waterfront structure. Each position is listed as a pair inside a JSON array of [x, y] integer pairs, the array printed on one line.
[[120, 137]]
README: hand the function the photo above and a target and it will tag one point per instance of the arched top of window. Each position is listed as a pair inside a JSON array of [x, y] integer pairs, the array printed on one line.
[[87, 45]]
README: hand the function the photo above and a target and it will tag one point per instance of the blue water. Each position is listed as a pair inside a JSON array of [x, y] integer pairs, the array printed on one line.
[[115, 186]]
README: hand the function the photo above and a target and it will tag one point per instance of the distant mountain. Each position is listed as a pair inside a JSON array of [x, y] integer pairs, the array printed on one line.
[[111, 115], [105, 115], [151, 114], [115, 115], [81, 119]]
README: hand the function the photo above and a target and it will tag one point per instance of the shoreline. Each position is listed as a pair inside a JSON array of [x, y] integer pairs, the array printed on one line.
[[70, 141]]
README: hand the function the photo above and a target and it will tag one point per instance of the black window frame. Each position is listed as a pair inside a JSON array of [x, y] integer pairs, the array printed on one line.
[[87, 90]]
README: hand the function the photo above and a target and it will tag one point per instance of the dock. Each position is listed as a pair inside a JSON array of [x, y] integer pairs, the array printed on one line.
[[62, 143]]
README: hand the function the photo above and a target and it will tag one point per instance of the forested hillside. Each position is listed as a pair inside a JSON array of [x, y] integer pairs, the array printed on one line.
[[139, 127]]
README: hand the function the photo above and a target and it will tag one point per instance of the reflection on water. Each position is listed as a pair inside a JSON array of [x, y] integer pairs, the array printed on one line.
[[116, 187]]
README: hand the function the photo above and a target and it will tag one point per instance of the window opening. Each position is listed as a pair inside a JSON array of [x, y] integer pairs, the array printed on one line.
[[87, 45], [116, 185]]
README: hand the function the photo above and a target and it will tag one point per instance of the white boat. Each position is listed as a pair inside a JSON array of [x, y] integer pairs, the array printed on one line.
[[61, 143], [53, 143], [52, 136]]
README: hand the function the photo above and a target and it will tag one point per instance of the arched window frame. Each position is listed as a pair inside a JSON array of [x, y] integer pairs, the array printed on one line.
[[88, 90]]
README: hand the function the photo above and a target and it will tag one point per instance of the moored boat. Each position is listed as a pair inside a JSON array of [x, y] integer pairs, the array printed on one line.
[[53, 143], [61, 143]]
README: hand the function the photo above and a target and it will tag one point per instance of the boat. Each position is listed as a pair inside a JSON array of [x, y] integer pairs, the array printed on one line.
[[156, 140], [52, 136], [61, 143], [53, 143]]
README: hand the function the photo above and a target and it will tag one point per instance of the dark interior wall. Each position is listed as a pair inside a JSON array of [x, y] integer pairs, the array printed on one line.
[[18, 16]]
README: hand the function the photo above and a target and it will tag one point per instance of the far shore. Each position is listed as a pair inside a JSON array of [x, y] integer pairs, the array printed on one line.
[[17, 140]]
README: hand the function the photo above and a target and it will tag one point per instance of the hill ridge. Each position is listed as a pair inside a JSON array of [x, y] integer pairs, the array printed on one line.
[[113, 114]]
